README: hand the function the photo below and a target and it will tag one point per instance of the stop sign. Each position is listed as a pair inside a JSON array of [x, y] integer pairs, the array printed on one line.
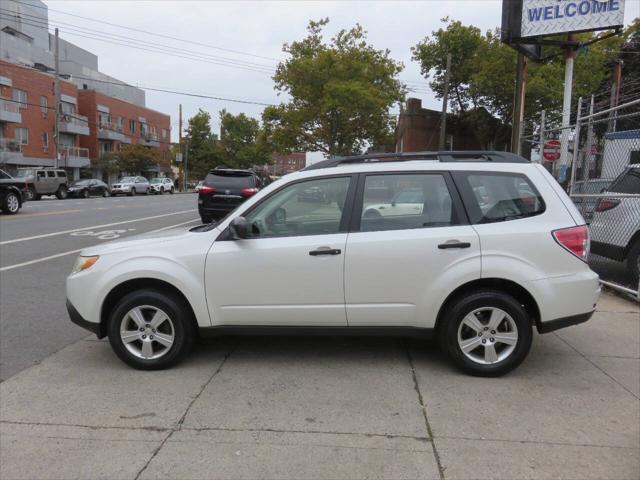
[[551, 150]]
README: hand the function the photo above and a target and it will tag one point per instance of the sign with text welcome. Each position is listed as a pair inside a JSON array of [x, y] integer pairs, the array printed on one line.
[[547, 17]]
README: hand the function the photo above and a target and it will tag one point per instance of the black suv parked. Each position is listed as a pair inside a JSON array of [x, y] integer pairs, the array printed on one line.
[[224, 189], [12, 193]]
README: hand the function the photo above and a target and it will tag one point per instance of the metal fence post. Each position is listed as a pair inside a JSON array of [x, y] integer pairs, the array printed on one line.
[[576, 147], [542, 132], [589, 155]]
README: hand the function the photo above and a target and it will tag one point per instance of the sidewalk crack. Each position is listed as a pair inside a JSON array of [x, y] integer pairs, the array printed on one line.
[[178, 426], [423, 407]]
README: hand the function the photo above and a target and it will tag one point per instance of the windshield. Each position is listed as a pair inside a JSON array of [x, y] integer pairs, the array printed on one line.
[[4, 175], [156, 180], [27, 172], [128, 180], [80, 183]]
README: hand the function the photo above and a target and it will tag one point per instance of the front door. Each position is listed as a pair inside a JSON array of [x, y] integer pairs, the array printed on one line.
[[290, 271], [412, 248]]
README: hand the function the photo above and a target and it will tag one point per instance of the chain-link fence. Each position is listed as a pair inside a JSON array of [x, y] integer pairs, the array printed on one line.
[[601, 173]]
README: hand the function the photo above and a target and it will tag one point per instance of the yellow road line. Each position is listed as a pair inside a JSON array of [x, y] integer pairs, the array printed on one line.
[[23, 215]]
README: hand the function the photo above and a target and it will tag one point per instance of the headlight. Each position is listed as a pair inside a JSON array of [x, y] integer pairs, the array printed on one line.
[[82, 263]]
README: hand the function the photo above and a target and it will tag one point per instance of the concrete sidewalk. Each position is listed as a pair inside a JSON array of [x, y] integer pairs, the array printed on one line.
[[332, 408]]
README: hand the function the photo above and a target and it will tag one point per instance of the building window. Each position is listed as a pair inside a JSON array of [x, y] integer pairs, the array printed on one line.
[[164, 134], [44, 106], [120, 124], [132, 126], [22, 136], [45, 141], [104, 119], [67, 108], [20, 96], [105, 147]]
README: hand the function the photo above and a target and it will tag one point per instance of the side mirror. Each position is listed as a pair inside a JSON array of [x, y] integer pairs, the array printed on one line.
[[239, 228]]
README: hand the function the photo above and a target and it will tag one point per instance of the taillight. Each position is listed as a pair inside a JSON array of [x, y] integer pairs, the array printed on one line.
[[247, 192], [207, 190], [575, 240], [605, 204]]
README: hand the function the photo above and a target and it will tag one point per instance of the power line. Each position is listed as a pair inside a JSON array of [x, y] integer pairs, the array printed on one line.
[[147, 32], [153, 50], [69, 26]]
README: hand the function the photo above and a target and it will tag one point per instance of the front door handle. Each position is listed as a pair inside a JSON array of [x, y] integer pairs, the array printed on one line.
[[453, 244], [325, 251]]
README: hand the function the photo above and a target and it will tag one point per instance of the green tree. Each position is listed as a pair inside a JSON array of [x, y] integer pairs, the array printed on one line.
[[106, 163], [135, 159], [241, 143], [200, 146], [340, 94]]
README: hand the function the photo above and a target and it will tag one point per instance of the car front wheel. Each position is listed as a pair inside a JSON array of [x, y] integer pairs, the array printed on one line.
[[62, 192], [486, 333], [150, 329], [10, 203]]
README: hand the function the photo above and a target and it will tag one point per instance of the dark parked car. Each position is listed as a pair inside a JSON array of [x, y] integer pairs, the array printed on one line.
[[12, 193], [224, 189], [88, 187]]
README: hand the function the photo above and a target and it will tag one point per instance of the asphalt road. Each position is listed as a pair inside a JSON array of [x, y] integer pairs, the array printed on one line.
[[37, 249]]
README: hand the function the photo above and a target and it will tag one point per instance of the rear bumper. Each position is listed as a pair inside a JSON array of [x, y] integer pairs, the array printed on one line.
[[76, 318], [564, 322], [216, 209]]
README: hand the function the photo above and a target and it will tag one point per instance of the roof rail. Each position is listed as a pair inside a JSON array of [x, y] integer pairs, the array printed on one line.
[[442, 156]]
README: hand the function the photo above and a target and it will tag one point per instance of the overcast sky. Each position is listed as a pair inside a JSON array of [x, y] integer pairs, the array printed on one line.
[[256, 28]]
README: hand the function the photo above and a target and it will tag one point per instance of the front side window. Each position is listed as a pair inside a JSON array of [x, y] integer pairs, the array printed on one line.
[[314, 207], [51, 174], [498, 197], [627, 182], [405, 201]]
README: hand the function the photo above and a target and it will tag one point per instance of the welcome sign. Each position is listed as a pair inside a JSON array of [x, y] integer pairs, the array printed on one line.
[[547, 17]]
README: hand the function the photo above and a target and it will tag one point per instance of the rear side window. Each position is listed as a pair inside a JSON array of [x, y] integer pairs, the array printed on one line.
[[230, 180], [499, 197], [406, 201], [51, 174], [628, 182], [62, 174]]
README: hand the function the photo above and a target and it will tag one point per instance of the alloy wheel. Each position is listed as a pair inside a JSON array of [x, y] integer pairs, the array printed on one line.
[[13, 205], [487, 335], [147, 332]]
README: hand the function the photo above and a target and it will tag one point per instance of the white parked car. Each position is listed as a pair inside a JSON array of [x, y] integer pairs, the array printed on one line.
[[615, 227], [160, 185], [479, 273], [130, 186]]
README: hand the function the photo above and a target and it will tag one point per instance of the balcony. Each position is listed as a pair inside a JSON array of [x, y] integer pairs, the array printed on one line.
[[72, 123], [10, 111], [110, 131], [149, 139], [74, 157], [10, 151]]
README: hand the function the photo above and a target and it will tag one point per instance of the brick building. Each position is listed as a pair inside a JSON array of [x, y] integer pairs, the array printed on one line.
[[97, 113], [418, 129], [284, 163]]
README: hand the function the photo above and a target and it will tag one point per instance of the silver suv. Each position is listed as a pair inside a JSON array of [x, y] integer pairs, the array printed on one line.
[[44, 181], [615, 228]]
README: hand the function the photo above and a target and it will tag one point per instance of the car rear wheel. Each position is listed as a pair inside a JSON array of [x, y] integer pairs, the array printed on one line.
[[10, 203], [105, 193], [633, 263], [151, 330], [171, 191], [486, 333], [132, 193], [61, 194], [31, 193], [85, 193]]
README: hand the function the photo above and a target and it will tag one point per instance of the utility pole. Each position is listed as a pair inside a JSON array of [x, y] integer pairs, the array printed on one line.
[[445, 99], [615, 94], [186, 165], [56, 92], [180, 167], [570, 54], [518, 104]]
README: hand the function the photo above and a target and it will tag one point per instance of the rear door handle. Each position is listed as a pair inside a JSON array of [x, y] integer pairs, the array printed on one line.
[[325, 251], [453, 244]]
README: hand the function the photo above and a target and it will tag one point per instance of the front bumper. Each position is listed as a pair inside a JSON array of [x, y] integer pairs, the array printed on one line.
[[76, 318]]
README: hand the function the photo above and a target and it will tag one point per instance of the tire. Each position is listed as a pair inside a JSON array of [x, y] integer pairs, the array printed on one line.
[[633, 263], [61, 194], [478, 307], [161, 190], [11, 203], [31, 193], [179, 327], [85, 194], [132, 193], [171, 191], [105, 193]]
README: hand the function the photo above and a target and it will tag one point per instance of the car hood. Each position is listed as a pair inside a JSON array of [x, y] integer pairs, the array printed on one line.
[[147, 242]]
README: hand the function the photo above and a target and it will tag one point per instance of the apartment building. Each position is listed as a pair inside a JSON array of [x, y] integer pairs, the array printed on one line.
[[98, 114]]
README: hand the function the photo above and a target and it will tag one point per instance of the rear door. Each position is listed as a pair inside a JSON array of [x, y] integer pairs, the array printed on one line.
[[400, 265]]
